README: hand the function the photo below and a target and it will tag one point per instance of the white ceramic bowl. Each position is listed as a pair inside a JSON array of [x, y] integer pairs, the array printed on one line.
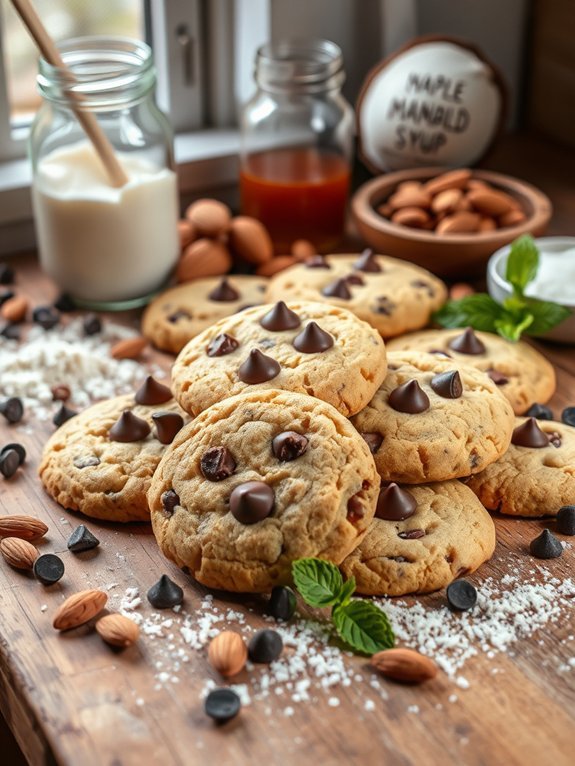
[[499, 288]]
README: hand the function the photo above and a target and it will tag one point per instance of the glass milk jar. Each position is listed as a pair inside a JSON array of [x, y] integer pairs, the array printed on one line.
[[107, 247]]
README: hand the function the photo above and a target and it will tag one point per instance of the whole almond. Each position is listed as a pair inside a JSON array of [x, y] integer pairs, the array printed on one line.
[[512, 218], [130, 348], [250, 240], [459, 223], [385, 210], [460, 290], [477, 183], [14, 309], [79, 608], [228, 653], [446, 201], [409, 186], [410, 216], [209, 216], [303, 249], [279, 263], [203, 258], [186, 233], [25, 527], [117, 630], [487, 224], [453, 179], [404, 665], [490, 201], [19, 553], [409, 198]]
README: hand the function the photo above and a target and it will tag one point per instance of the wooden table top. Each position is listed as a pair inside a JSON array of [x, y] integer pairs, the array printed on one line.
[[70, 699]]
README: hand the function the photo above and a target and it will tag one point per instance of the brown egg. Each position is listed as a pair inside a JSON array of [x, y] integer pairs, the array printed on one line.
[[279, 263], [186, 232], [249, 239], [203, 258], [303, 249], [210, 217]]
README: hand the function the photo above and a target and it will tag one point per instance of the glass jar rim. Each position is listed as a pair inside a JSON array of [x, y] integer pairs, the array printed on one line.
[[311, 64]]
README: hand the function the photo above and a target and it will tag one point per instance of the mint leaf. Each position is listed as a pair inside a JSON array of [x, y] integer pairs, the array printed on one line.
[[346, 592], [522, 263], [319, 582], [545, 315], [363, 626], [510, 328], [479, 311]]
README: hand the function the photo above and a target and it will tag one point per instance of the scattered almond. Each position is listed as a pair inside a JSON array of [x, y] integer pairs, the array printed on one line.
[[249, 239], [460, 290], [303, 249], [209, 216], [203, 258], [14, 309], [228, 653], [279, 263], [117, 630], [130, 348], [405, 665], [25, 527], [19, 553], [79, 608]]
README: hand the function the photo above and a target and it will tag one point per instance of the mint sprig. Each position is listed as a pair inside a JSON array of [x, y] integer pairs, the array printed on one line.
[[518, 314], [361, 624]]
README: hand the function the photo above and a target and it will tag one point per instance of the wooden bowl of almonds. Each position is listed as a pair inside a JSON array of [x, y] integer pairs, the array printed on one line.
[[449, 222]]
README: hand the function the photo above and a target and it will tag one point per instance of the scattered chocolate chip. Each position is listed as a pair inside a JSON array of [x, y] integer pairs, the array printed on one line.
[[65, 303], [467, 343], [12, 409], [221, 345], [86, 461], [169, 501], [529, 434], [6, 274], [461, 595], [251, 502], [566, 520], [63, 414], [498, 377], [409, 398], [11, 331], [439, 352], [129, 428], [258, 368], [60, 392], [555, 439], [16, 448], [546, 546], [447, 384], [282, 603], [5, 295], [9, 463], [91, 324], [46, 316], [167, 425], [152, 392], [384, 306], [367, 262], [179, 314], [222, 705], [217, 464], [312, 340], [48, 568], [279, 318], [224, 292], [165, 594], [289, 445], [355, 509], [354, 279], [568, 416], [373, 441], [421, 284], [411, 534], [540, 411], [317, 262], [265, 646], [394, 503], [82, 539], [337, 289]]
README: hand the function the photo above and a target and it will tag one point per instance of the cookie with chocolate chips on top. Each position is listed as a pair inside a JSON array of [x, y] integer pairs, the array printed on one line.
[[101, 461], [308, 348], [257, 481]]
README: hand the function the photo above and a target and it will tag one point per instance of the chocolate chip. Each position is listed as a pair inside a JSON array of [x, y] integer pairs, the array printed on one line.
[[546, 546], [540, 411], [251, 502], [279, 318], [5, 295], [355, 509], [152, 392], [224, 292], [265, 646], [86, 461], [568, 416], [48, 568], [179, 314], [63, 415], [447, 384], [411, 534], [169, 501], [367, 262], [81, 540], [312, 340], [420, 284], [6, 274], [555, 439], [91, 324], [258, 368], [566, 520], [222, 705], [409, 398], [46, 316], [12, 409], [60, 392], [17, 448], [317, 262], [9, 463], [461, 595], [467, 343], [11, 331], [394, 503], [167, 425], [498, 377], [64, 303], [354, 279], [221, 345], [217, 464], [439, 352], [529, 434], [384, 306], [337, 289], [129, 428], [282, 603], [289, 445], [373, 441], [165, 594]]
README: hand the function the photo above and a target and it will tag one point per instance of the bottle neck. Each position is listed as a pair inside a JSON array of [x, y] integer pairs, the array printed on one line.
[[299, 67]]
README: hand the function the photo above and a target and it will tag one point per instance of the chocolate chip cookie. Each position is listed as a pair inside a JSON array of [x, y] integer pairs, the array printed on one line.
[[422, 538], [182, 312], [434, 419], [393, 296], [101, 461], [257, 481], [536, 476], [520, 372], [309, 348]]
